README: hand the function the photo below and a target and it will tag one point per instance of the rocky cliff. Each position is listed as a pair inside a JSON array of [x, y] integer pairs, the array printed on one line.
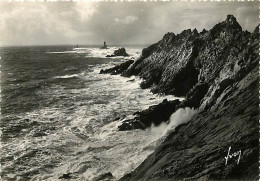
[[177, 63], [217, 72], [197, 150]]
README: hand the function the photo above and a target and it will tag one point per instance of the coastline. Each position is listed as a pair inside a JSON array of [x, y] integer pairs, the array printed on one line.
[[217, 72]]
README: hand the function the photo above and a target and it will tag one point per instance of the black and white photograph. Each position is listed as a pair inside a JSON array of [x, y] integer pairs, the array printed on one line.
[[129, 90]]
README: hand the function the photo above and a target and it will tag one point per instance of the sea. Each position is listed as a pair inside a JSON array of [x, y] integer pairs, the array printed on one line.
[[58, 114]]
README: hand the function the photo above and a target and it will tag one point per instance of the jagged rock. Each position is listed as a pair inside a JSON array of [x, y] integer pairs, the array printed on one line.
[[117, 69], [217, 71], [153, 115], [119, 52], [203, 31], [65, 176], [105, 177], [146, 52], [177, 63]]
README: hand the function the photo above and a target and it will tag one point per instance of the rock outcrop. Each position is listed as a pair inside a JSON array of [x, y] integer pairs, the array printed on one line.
[[217, 72], [153, 115], [119, 52], [117, 69]]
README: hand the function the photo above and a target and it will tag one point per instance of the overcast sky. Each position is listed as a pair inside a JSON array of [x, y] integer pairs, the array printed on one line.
[[121, 23]]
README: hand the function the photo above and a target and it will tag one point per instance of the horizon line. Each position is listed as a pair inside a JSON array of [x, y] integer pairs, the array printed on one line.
[[74, 45]]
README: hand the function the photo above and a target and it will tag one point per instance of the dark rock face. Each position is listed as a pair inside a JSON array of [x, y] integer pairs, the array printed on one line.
[[117, 69], [119, 52], [217, 71], [195, 95], [153, 115]]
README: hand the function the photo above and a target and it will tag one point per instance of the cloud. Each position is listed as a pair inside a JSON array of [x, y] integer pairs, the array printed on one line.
[[43, 23], [31, 23], [85, 10]]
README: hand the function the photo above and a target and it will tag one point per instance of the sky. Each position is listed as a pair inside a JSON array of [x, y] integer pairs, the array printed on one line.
[[117, 23]]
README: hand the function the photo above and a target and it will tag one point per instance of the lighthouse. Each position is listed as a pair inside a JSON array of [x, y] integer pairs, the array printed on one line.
[[105, 45]]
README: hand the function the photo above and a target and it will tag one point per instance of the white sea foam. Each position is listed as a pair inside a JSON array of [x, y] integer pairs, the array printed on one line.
[[181, 116], [67, 76], [133, 53]]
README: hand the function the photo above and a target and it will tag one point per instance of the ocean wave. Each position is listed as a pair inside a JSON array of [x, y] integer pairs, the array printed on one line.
[[79, 134]]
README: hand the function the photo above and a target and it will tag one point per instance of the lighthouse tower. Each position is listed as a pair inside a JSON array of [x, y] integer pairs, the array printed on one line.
[[105, 45]]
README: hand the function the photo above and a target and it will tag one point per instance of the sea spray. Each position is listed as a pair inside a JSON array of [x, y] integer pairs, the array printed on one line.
[[158, 133], [181, 116]]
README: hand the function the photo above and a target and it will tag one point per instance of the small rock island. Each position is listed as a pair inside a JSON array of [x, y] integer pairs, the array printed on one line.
[[119, 52]]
